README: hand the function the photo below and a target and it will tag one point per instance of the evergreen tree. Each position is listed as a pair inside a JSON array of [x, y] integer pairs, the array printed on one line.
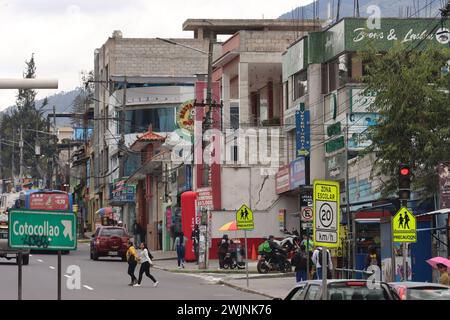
[[31, 120]]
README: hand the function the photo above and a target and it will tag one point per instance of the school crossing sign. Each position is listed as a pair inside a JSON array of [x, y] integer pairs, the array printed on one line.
[[244, 218], [404, 226], [326, 213]]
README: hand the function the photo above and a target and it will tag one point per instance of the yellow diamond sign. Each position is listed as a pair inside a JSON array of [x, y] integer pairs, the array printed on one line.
[[404, 226], [244, 218]]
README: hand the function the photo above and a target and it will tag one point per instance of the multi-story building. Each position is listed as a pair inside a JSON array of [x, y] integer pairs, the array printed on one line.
[[323, 89], [249, 72]]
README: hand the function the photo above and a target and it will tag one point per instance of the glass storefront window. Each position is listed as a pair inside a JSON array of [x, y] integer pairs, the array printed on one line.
[[300, 84]]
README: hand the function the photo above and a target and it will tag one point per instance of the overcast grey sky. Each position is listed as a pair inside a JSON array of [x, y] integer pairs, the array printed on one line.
[[63, 34]]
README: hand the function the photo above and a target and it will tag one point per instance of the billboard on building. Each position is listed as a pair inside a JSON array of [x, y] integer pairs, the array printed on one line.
[[297, 173], [205, 198], [282, 180]]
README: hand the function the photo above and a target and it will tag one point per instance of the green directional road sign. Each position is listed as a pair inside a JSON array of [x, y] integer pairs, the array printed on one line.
[[42, 230]]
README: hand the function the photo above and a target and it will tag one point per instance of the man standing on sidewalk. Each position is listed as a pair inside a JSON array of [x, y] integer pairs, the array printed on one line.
[[299, 261], [195, 237], [317, 260]]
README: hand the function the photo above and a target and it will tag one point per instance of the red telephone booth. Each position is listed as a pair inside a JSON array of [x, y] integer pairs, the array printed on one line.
[[188, 200]]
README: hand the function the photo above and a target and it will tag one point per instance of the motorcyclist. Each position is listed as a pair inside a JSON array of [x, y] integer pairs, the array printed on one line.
[[277, 253]]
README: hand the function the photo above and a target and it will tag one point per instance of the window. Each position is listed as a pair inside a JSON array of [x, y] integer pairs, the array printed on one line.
[[345, 69], [300, 84], [161, 118], [324, 75], [333, 70], [286, 95], [313, 293], [234, 115], [110, 232], [297, 293]]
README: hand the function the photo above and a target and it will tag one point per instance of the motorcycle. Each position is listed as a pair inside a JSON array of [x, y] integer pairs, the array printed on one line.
[[232, 260], [266, 262], [290, 243]]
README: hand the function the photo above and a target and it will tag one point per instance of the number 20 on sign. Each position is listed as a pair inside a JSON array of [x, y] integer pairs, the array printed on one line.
[[326, 213]]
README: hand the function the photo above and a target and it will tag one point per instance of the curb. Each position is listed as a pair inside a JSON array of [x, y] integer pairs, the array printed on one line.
[[256, 274], [245, 289], [200, 271]]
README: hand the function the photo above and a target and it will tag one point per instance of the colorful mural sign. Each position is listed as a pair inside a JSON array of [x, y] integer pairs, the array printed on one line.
[[185, 116]]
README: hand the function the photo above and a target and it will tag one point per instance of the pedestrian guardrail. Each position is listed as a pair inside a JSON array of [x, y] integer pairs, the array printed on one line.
[[342, 273]]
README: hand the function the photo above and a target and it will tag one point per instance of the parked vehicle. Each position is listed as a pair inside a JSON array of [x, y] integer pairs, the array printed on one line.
[[5, 250], [234, 259], [108, 241], [276, 261], [343, 290], [421, 291]]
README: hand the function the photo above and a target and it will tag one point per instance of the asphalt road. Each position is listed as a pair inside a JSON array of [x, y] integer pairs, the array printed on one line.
[[106, 279]]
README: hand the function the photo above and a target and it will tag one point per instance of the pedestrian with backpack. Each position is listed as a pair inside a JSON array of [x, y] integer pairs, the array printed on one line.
[[317, 260], [299, 261], [145, 259]]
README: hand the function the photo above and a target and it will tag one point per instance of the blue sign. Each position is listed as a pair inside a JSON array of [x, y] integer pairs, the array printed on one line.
[[302, 133], [297, 173]]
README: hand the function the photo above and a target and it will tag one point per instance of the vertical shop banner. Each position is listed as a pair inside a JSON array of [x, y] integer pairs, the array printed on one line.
[[444, 185], [302, 133]]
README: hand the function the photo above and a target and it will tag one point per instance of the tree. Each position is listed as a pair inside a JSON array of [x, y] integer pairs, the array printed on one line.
[[413, 101], [30, 119]]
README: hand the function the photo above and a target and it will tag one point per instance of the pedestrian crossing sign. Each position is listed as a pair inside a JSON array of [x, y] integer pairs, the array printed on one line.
[[404, 226], [244, 218]]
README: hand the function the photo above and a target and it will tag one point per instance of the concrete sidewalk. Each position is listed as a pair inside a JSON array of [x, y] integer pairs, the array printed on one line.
[[191, 267], [268, 287]]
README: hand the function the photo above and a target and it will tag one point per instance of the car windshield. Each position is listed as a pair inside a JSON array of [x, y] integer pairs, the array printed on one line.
[[428, 294], [112, 232], [346, 291]]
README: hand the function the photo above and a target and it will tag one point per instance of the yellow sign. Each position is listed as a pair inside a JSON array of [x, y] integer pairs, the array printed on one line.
[[404, 226], [244, 218], [326, 214]]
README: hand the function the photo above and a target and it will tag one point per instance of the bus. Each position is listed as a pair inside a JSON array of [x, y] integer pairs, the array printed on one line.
[[48, 200]]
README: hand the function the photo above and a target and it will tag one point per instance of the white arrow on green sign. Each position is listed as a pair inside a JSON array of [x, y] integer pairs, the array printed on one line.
[[42, 230]]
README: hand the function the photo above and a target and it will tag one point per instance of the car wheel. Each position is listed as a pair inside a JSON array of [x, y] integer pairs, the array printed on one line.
[[124, 258], [91, 255], [25, 259], [95, 256]]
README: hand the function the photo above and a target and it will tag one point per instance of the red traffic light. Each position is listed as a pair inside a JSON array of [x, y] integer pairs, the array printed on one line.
[[404, 171]]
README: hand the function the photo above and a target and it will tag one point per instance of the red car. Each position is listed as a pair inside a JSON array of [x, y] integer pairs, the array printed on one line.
[[109, 242]]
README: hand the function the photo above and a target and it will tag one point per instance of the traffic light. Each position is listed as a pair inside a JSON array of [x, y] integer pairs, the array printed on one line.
[[404, 182]]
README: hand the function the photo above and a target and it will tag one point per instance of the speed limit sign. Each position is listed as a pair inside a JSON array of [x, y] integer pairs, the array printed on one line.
[[326, 213]]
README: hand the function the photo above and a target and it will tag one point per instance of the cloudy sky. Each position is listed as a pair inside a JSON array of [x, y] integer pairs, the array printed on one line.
[[64, 33]]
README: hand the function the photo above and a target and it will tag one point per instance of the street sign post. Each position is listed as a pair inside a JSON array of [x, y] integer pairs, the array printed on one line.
[[326, 222], [244, 221], [42, 230], [404, 230]]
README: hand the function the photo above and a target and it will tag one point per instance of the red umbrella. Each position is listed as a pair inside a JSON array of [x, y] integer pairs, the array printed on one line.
[[438, 260]]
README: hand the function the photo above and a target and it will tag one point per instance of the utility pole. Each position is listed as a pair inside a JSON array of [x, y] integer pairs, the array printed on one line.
[[347, 195], [122, 131], [13, 159], [1, 161], [55, 145], [21, 156]]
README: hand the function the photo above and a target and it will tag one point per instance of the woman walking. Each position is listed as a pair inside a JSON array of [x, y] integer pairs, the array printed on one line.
[[132, 258], [145, 260], [180, 244]]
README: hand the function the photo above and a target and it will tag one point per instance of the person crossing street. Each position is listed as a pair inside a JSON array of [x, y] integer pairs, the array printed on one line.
[[145, 261]]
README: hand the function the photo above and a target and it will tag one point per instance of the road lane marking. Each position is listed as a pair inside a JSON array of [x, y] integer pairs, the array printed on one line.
[[31, 255], [89, 288], [66, 276], [40, 260], [52, 267]]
